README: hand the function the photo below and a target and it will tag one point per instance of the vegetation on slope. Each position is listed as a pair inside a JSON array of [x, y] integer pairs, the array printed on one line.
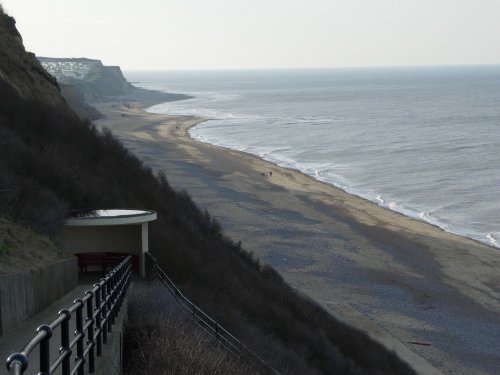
[[52, 162], [161, 339], [22, 249]]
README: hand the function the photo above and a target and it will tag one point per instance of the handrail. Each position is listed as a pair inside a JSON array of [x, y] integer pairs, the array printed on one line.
[[108, 294], [212, 327]]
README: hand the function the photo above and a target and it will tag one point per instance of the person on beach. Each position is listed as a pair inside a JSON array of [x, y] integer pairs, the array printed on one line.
[[270, 173]]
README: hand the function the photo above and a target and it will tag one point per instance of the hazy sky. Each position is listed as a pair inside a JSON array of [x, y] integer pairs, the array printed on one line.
[[206, 34]]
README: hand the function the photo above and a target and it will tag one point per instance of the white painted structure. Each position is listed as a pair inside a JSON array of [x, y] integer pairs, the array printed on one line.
[[114, 230]]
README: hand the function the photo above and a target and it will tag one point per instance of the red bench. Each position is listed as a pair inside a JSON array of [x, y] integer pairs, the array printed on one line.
[[106, 261], [88, 259]]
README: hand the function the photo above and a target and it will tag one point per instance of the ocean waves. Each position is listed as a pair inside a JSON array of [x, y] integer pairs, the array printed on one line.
[[429, 154]]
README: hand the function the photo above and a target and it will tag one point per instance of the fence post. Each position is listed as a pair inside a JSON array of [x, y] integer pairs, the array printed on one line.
[[79, 331], [17, 363], [45, 350], [66, 364], [109, 296], [116, 291], [112, 297], [104, 326], [122, 281], [98, 323], [90, 331]]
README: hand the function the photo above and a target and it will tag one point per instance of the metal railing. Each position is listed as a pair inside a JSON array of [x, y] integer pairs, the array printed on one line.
[[209, 325], [102, 305]]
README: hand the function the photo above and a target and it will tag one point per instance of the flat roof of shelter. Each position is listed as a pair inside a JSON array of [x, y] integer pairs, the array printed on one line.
[[111, 217]]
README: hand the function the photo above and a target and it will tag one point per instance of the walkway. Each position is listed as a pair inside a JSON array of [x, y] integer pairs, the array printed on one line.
[[16, 340]]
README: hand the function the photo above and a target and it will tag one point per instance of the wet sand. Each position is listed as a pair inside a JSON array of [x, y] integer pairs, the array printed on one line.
[[431, 296]]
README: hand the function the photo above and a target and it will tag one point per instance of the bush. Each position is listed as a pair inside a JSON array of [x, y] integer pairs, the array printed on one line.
[[161, 339]]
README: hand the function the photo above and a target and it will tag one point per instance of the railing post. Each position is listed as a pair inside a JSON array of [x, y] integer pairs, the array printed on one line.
[[79, 331], [45, 350], [109, 296], [17, 363], [104, 326], [121, 287], [98, 323], [123, 282], [66, 364], [116, 291], [112, 297], [90, 331], [118, 288]]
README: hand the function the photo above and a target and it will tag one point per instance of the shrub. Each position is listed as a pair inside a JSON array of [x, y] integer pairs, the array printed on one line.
[[161, 339]]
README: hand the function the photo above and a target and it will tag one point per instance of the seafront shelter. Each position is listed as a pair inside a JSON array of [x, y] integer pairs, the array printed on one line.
[[100, 238]]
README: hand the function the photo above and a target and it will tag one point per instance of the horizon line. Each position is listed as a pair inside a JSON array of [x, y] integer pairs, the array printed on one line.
[[315, 68]]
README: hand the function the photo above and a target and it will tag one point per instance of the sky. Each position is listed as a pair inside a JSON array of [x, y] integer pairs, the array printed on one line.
[[260, 34]]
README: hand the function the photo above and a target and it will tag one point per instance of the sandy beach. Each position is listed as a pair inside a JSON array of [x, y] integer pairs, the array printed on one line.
[[432, 296]]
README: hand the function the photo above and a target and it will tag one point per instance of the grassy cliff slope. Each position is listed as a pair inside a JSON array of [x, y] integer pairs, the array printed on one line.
[[21, 249], [52, 162]]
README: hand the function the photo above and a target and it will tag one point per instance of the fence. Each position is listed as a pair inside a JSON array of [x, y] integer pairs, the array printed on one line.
[[209, 325], [102, 305]]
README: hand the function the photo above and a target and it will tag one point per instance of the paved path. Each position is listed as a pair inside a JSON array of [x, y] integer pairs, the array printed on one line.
[[17, 339]]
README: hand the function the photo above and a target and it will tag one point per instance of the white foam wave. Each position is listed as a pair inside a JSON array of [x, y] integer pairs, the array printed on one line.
[[424, 215], [493, 240], [207, 113], [328, 173]]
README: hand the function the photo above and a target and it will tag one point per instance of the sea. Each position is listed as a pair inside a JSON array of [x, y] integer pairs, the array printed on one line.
[[422, 141]]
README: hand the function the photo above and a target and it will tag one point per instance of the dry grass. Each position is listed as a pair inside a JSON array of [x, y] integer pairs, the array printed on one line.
[[161, 339], [21, 249]]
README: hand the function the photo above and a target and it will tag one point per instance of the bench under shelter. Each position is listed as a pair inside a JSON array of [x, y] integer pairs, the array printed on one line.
[[100, 239]]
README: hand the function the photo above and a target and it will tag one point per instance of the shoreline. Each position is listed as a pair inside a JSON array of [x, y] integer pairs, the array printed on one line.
[[403, 281], [415, 217]]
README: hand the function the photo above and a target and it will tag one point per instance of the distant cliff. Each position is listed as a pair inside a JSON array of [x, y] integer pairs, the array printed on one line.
[[83, 81], [91, 78]]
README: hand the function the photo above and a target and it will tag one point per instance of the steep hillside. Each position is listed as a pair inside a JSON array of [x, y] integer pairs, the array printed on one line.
[[52, 162], [21, 69], [22, 249], [76, 101]]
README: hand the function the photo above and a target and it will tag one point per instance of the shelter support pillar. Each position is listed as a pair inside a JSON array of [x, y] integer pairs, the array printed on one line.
[[144, 250]]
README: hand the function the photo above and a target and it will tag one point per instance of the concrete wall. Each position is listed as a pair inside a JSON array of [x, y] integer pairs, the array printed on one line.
[[113, 238], [26, 293]]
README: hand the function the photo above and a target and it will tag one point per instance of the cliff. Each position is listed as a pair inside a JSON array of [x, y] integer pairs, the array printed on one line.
[[22, 69], [90, 77]]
